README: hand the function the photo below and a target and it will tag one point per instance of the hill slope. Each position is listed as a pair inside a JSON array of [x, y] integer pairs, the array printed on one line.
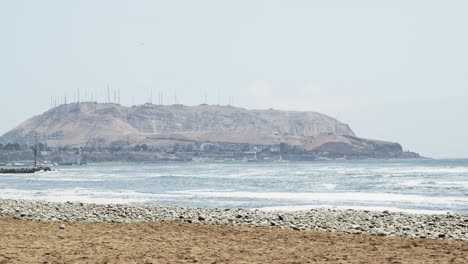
[[104, 125], [77, 124]]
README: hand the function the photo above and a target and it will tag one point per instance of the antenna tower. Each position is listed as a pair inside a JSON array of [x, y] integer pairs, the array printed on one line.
[[35, 150]]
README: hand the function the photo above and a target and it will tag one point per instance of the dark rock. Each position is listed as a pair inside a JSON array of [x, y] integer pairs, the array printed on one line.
[[24, 170]]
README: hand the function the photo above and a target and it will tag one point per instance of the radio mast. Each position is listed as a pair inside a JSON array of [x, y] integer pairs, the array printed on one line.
[[35, 150]]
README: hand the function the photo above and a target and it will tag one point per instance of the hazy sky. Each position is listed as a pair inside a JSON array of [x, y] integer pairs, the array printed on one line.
[[392, 70]]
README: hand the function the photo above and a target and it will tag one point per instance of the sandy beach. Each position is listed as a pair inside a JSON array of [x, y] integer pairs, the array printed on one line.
[[25, 241], [118, 233]]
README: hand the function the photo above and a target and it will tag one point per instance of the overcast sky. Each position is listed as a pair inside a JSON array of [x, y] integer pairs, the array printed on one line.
[[392, 70]]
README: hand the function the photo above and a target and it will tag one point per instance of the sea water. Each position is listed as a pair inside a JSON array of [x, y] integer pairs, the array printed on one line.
[[422, 186]]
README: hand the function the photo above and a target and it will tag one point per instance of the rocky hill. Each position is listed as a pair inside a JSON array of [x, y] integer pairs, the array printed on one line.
[[103, 125]]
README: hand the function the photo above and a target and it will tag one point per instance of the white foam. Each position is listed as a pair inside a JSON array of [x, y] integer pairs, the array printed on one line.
[[335, 197], [427, 183], [420, 170], [329, 186], [86, 195]]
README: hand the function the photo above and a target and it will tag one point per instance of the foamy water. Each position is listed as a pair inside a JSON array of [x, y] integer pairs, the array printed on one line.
[[423, 186]]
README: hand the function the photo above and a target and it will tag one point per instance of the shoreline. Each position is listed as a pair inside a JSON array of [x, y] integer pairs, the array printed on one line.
[[379, 223]]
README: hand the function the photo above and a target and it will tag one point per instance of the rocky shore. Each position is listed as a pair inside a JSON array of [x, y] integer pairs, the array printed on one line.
[[447, 226], [23, 170]]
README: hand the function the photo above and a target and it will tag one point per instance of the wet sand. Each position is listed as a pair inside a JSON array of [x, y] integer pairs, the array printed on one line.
[[175, 242]]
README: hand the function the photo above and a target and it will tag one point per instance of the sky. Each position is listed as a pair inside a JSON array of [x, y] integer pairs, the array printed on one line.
[[392, 70]]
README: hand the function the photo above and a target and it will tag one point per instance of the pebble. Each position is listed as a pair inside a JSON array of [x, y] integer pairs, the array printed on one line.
[[383, 223]]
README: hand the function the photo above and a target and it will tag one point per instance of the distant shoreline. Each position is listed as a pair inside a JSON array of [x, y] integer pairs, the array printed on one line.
[[27, 163]]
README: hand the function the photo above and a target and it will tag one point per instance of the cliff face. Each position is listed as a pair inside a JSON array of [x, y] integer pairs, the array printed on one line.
[[104, 125]]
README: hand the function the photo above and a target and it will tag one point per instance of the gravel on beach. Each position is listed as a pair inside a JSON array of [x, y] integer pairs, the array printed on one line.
[[380, 223]]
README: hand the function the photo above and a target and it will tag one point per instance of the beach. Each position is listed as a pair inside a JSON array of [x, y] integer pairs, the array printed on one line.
[[46, 232], [24, 241]]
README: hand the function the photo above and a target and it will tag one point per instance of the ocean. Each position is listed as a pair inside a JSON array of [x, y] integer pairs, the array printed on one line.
[[419, 186]]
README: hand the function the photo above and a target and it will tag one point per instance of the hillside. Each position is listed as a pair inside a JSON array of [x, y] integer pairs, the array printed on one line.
[[102, 125], [78, 124]]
